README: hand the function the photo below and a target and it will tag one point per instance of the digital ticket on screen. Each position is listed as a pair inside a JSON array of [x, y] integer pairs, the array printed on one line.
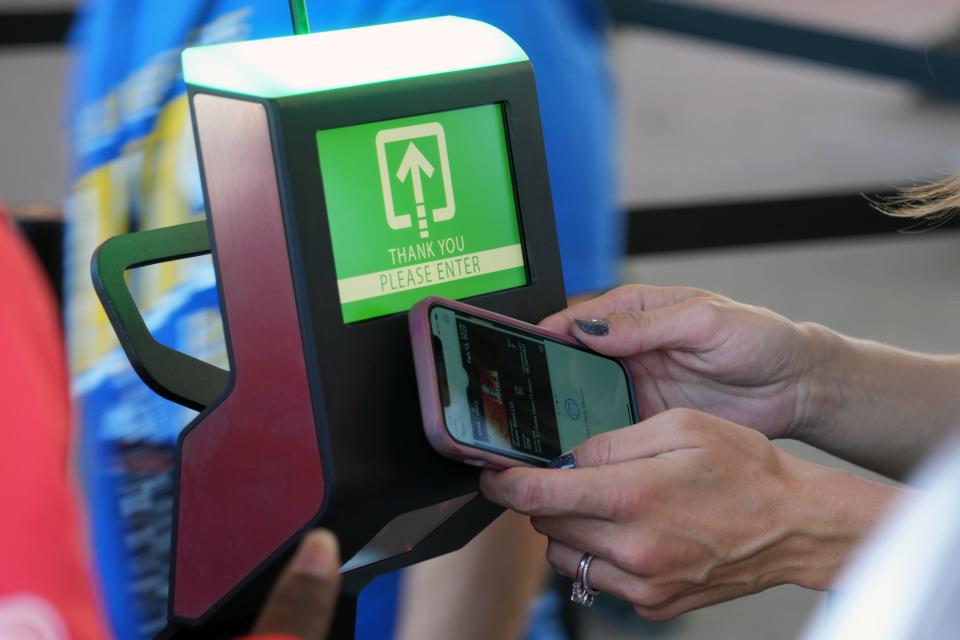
[[421, 206]]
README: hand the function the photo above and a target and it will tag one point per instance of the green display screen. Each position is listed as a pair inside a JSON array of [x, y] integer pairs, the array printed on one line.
[[419, 206]]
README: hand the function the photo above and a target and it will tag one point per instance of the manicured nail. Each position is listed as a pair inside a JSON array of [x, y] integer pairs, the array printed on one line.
[[566, 461], [317, 555], [593, 326]]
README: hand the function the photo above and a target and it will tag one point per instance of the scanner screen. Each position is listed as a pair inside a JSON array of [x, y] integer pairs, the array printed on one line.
[[418, 206]]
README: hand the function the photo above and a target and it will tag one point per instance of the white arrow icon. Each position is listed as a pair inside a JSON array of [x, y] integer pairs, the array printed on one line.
[[412, 165]]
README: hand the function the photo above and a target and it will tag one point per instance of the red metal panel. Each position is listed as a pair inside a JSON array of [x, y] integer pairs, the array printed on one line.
[[250, 471]]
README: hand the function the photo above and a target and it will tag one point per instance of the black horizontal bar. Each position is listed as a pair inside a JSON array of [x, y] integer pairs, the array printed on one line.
[[34, 28], [713, 226], [935, 71]]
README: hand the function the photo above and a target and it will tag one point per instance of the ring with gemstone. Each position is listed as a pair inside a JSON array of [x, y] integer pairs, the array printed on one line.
[[581, 592]]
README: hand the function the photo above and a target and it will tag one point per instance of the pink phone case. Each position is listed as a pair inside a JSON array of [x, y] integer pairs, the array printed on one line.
[[430, 404]]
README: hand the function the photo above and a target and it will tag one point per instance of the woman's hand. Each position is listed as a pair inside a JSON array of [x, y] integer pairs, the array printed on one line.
[[686, 509], [695, 349]]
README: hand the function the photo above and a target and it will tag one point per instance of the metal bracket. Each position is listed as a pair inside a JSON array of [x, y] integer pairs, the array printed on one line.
[[930, 70], [172, 374]]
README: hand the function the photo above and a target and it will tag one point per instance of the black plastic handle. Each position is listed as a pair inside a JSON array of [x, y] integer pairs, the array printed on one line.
[[172, 374]]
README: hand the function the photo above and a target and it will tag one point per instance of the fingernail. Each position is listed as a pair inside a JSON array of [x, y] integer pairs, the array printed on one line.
[[593, 326], [318, 555], [566, 461]]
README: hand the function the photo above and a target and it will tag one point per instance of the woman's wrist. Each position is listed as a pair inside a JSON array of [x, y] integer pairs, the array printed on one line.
[[875, 405], [830, 511], [827, 356]]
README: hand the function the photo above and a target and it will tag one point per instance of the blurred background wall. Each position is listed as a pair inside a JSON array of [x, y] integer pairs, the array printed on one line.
[[742, 172], [32, 76]]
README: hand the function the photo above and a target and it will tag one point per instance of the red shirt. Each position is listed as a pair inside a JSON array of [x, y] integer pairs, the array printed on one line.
[[46, 590]]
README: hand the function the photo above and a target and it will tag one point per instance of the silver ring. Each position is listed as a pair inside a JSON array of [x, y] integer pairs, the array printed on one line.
[[581, 592]]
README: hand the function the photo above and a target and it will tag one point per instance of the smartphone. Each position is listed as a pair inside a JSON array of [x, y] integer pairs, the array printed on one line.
[[497, 392]]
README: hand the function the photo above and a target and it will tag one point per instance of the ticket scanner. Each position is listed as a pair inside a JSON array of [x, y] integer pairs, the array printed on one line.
[[346, 175]]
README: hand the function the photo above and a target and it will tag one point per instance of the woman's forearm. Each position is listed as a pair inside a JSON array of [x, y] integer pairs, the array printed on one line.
[[877, 406]]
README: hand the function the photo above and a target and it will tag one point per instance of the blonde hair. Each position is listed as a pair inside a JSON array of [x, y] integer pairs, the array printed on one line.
[[936, 201]]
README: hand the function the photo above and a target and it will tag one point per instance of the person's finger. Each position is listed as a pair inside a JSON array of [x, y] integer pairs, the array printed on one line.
[[597, 488], [661, 433], [302, 601], [600, 537], [605, 576], [602, 575], [604, 539], [688, 325], [555, 492], [652, 599], [630, 297]]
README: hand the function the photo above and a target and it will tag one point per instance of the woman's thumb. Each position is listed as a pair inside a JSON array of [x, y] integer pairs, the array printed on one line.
[[637, 331]]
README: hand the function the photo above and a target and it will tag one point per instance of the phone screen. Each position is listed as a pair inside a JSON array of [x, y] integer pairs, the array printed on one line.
[[522, 395]]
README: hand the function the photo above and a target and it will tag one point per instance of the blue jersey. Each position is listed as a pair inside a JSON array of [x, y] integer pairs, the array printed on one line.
[[134, 167]]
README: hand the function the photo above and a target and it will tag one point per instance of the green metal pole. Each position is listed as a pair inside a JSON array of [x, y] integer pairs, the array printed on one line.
[[298, 14]]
